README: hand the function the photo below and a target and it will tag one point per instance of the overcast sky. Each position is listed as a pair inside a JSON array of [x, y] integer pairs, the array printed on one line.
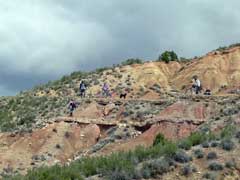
[[41, 40]]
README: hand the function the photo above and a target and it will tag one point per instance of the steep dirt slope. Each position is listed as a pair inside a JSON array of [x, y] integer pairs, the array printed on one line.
[[138, 76], [57, 142], [216, 70], [155, 104]]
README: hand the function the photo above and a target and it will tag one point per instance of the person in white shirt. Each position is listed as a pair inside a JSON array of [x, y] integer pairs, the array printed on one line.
[[197, 84]]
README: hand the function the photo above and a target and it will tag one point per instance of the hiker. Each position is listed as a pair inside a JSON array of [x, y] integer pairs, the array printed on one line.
[[82, 89], [105, 90], [196, 85], [72, 106]]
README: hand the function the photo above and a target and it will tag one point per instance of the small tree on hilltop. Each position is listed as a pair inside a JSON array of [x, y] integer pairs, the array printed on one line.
[[168, 56], [132, 61]]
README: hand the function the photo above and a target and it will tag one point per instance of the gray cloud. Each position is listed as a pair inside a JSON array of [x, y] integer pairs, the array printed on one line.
[[42, 40]]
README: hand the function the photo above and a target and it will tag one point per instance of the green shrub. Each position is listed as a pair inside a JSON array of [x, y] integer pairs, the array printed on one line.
[[169, 149], [212, 155], [227, 144], [101, 70], [155, 167], [197, 138], [228, 131], [185, 144], [198, 153], [193, 140], [188, 170], [165, 146], [214, 144], [123, 163], [221, 48], [159, 139], [119, 175], [182, 157], [51, 173], [230, 164], [210, 175], [146, 173], [237, 135], [132, 61], [168, 56], [205, 144], [215, 166]]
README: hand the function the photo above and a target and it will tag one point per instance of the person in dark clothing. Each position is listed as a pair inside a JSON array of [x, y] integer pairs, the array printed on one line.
[[72, 106], [82, 89]]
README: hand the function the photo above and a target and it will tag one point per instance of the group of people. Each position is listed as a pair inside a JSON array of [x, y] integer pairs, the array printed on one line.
[[82, 92], [195, 88], [105, 90], [104, 93]]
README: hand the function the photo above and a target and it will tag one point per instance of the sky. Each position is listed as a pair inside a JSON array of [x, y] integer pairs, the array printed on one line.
[[41, 40]]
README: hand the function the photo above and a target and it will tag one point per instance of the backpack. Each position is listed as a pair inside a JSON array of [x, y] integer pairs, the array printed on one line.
[[72, 105], [82, 86]]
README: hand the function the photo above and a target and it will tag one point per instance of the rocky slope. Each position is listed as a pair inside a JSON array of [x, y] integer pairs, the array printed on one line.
[[36, 128], [217, 70]]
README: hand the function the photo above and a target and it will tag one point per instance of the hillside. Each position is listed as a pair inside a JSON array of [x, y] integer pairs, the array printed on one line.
[[36, 129]]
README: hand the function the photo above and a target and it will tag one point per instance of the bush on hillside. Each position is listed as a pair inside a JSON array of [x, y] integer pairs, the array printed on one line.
[[132, 61], [101, 70], [50, 173], [155, 167], [228, 131], [237, 135], [227, 144], [157, 159], [212, 155], [214, 144], [215, 166], [168, 56], [205, 144], [188, 170], [230, 164], [160, 139], [185, 144], [182, 157], [210, 175], [198, 153], [222, 48], [119, 175], [193, 140]]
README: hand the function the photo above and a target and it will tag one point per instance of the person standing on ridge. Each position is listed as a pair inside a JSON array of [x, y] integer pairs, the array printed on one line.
[[105, 90], [197, 84], [82, 89]]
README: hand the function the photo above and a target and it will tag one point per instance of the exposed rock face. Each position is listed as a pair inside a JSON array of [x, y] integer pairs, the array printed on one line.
[[187, 110], [91, 111], [171, 130], [215, 71], [137, 76], [56, 142], [176, 121]]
